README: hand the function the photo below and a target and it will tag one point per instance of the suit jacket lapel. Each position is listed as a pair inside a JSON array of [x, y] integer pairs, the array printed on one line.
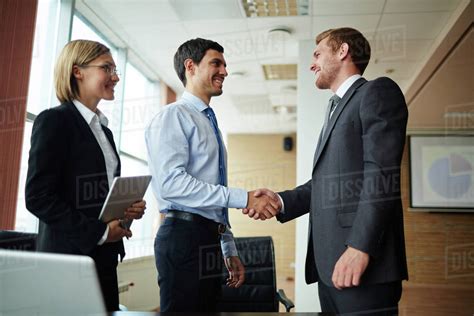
[[337, 112], [81, 123], [86, 130], [108, 134]]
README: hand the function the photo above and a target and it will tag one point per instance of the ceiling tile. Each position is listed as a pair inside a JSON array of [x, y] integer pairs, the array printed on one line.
[[207, 9], [414, 25], [217, 27], [363, 23], [347, 7], [403, 6], [395, 49], [300, 26], [252, 104], [126, 12]]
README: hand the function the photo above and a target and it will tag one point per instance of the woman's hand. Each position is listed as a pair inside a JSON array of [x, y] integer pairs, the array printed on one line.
[[117, 232], [136, 210]]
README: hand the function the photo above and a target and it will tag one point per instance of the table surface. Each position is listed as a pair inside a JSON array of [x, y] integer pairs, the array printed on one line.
[[218, 314]]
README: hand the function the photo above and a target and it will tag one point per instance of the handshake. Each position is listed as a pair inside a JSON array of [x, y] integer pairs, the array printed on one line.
[[262, 204]]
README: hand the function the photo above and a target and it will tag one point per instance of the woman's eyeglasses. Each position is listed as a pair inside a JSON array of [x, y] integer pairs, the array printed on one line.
[[107, 68]]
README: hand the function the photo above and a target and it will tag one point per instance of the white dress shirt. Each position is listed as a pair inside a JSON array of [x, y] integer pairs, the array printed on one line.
[[95, 120], [183, 157], [341, 91]]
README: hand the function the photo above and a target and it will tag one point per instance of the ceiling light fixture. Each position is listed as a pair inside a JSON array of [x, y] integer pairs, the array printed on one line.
[[289, 89], [269, 8], [280, 30]]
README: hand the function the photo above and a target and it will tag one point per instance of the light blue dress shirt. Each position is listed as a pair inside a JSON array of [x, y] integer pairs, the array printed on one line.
[[183, 157]]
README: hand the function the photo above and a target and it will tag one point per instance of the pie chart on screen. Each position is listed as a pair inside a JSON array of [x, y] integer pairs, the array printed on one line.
[[450, 176]]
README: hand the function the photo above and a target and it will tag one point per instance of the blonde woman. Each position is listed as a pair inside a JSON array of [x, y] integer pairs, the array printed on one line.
[[73, 161]]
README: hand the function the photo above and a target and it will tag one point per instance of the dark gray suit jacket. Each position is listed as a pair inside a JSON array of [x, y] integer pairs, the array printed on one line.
[[353, 196]]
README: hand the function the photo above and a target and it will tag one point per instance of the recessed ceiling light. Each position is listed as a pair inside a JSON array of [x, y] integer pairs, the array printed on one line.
[[237, 74], [289, 89], [268, 8], [280, 71]]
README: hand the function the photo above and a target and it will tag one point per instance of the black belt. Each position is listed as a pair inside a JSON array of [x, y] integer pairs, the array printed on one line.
[[190, 217]]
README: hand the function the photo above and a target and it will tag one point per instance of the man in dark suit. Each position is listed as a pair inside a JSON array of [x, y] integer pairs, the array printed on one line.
[[356, 247]]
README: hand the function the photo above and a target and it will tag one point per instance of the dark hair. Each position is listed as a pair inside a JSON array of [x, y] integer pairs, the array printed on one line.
[[194, 49], [359, 47]]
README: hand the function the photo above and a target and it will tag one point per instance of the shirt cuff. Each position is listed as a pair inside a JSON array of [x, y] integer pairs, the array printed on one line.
[[228, 244], [282, 210], [237, 198], [104, 237]]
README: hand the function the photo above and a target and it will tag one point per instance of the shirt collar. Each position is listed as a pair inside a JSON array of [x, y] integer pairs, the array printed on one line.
[[88, 114], [341, 91], [194, 101]]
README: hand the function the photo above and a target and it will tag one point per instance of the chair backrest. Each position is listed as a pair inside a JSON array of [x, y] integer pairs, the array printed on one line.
[[258, 293], [14, 240]]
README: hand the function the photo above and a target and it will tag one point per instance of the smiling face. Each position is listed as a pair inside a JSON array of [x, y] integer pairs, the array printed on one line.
[[207, 77], [95, 82], [326, 65]]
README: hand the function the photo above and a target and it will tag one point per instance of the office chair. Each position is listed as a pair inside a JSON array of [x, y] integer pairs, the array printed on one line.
[[259, 292], [14, 240]]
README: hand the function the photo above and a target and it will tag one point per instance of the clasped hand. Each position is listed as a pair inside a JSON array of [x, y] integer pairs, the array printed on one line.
[[262, 204]]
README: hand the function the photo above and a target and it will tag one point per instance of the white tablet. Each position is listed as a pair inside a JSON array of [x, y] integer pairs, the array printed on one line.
[[124, 192]]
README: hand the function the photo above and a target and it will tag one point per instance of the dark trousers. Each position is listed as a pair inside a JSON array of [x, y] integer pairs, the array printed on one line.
[[189, 263], [109, 286], [373, 299]]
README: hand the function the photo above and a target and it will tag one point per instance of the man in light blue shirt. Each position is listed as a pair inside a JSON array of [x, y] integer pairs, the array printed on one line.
[[187, 159]]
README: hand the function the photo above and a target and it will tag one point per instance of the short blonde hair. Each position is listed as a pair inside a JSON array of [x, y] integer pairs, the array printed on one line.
[[78, 52]]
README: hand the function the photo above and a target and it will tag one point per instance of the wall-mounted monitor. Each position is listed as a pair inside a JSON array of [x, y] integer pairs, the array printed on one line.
[[442, 173]]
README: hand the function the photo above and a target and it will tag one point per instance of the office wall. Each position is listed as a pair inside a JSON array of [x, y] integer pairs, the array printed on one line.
[[256, 161], [448, 93], [440, 246], [440, 254]]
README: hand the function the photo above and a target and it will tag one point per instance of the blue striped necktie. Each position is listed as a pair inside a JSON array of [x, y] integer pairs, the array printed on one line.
[[222, 168]]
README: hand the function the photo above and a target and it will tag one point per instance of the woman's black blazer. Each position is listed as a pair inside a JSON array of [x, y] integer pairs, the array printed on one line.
[[67, 184]]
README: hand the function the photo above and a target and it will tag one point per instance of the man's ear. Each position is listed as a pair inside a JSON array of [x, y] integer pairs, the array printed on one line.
[[189, 66], [76, 72], [343, 51]]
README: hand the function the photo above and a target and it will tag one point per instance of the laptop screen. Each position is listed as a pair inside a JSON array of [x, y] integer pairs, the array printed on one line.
[[42, 283]]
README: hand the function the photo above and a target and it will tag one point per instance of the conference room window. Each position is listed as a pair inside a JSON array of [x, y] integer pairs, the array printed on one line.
[[40, 96], [24, 220], [141, 101]]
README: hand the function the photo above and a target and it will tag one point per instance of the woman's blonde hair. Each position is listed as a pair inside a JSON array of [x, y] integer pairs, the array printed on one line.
[[78, 52]]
